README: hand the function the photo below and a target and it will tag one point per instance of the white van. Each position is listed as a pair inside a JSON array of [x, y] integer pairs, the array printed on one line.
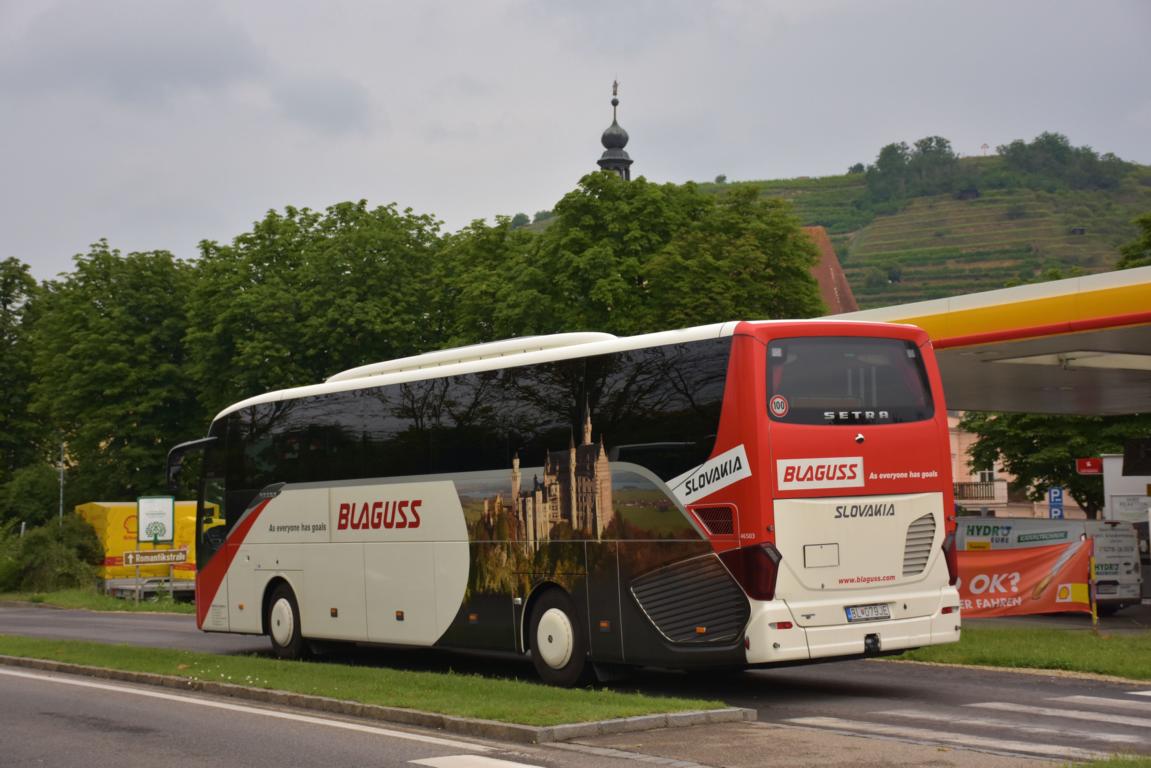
[[1118, 574]]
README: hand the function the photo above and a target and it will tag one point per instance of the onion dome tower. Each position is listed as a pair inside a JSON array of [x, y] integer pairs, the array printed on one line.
[[614, 139]]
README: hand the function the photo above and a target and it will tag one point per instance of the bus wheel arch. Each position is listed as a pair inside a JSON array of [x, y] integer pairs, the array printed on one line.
[[282, 620], [556, 638]]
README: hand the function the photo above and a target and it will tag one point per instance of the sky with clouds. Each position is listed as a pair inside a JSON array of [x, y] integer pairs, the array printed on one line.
[[160, 123]]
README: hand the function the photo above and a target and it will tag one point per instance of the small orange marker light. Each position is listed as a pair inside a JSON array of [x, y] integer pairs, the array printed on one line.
[[701, 630], [399, 615]]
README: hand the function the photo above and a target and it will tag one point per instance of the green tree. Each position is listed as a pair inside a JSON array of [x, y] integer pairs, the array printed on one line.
[[1040, 450], [932, 166], [1137, 253], [1050, 161], [484, 283], [747, 257], [308, 293], [109, 367], [887, 178], [32, 494], [20, 431], [630, 257], [58, 555]]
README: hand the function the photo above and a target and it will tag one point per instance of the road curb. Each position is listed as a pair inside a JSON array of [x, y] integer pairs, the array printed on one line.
[[488, 729]]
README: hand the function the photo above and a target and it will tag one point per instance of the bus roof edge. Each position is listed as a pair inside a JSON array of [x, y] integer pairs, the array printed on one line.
[[470, 353]]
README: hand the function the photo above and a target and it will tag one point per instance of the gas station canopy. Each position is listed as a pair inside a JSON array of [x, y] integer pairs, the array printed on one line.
[[1076, 346]]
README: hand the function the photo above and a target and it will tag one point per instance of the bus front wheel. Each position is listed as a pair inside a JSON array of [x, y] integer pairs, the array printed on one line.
[[283, 623], [559, 648]]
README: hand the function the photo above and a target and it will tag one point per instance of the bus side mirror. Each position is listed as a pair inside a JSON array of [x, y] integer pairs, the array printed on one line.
[[176, 458]]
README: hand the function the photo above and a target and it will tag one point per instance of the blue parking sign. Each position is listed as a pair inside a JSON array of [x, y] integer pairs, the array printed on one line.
[[1055, 503]]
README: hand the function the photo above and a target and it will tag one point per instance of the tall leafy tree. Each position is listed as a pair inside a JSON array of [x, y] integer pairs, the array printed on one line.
[[746, 257], [933, 165], [19, 429], [487, 283], [887, 177], [307, 293], [1050, 160], [631, 257], [109, 367], [1040, 450]]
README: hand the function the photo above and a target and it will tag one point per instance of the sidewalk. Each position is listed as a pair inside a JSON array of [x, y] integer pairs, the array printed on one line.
[[764, 745]]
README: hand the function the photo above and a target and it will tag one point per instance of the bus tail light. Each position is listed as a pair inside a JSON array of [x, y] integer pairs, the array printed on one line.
[[755, 568], [951, 555]]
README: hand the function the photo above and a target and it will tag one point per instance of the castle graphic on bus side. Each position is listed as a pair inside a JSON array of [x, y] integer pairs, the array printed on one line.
[[575, 488]]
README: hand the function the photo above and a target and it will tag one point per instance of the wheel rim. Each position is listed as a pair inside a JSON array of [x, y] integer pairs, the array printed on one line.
[[555, 638], [283, 622]]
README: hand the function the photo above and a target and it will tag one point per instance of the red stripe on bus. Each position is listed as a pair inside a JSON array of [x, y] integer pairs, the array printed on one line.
[[1071, 326], [209, 579]]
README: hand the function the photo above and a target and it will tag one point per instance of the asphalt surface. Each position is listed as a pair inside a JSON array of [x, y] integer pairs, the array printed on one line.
[[876, 712]]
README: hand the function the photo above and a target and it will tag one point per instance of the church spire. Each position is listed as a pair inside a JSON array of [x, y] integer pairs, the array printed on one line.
[[614, 139]]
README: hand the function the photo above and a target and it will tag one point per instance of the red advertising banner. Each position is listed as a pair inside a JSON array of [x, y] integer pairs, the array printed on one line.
[[1022, 581]]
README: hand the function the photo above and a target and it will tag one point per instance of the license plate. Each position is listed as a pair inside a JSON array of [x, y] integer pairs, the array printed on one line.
[[1106, 589], [874, 612]]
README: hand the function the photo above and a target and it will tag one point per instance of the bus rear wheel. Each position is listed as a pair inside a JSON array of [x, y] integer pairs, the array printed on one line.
[[283, 622], [559, 648]]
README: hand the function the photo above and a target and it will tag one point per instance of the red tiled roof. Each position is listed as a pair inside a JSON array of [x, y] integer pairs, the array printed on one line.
[[833, 286]]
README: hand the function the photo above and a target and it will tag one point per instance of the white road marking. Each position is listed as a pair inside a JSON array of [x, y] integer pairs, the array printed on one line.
[[1074, 714], [984, 722], [965, 741], [469, 761], [1140, 693], [1100, 701], [348, 726]]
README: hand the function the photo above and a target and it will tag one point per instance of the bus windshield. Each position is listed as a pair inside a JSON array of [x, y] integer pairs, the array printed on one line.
[[846, 380]]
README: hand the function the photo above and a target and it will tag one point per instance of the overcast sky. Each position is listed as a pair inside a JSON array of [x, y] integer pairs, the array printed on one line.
[[157, 124]]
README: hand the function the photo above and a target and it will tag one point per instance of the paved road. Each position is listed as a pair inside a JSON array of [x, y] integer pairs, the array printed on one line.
[[1038, 716], [74, 722]]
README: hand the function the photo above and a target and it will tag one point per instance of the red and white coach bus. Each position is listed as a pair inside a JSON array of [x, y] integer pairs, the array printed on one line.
[[733, 495]]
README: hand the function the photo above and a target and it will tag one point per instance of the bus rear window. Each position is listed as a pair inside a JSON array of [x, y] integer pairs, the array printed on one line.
[[846, 380]]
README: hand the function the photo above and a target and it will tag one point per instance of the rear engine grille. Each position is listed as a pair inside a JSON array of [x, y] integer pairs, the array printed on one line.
[[694, 601], [917, 547], [719, 521]]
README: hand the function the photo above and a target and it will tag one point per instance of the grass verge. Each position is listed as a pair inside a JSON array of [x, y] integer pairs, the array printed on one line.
[[508, 701], [97, 601], [1117, 761], [1127, 656]]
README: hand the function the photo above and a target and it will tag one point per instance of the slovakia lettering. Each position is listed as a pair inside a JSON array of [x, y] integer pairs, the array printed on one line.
[[712, 475], [864, 510], [374, 515]]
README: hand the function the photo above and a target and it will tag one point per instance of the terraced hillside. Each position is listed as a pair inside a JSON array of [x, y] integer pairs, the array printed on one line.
[[943, 246], [832, 202]]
